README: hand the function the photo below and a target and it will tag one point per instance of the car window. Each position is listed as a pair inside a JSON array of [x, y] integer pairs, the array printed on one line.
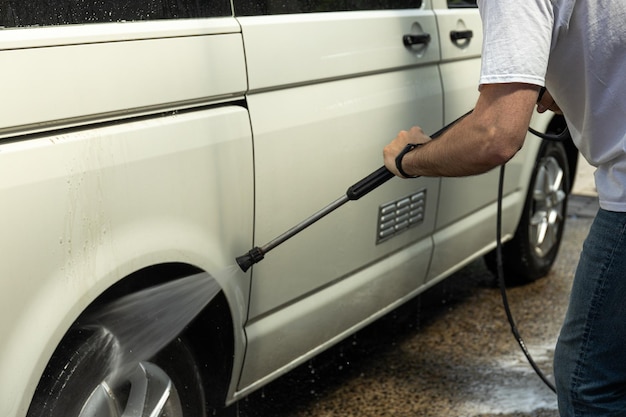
[[267, 7], [461, 3], [20, 13]]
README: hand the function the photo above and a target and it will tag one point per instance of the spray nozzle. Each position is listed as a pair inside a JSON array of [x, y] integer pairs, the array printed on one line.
[[253, 256]]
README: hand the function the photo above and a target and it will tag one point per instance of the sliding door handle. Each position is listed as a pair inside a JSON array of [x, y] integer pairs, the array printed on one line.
[[420, 39], [457, 35]]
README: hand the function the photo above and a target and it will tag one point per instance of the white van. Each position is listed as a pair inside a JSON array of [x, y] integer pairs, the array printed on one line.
[[142, 141]]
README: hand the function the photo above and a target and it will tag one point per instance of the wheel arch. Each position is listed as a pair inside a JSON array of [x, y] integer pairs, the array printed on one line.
[[210, 336]]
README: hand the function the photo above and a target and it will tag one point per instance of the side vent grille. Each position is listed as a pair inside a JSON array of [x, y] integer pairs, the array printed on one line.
[[397, 216]]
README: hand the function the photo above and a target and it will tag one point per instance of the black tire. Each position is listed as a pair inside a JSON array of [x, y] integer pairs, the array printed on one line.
[[535, 245], [78, 378]]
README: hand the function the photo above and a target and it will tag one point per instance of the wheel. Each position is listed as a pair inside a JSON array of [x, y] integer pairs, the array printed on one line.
[[535, 245], [82, 380]]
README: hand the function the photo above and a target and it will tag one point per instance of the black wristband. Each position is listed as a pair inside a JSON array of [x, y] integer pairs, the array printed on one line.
[[408, 148]]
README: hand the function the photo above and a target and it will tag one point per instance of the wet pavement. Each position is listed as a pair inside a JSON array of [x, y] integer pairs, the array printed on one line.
[[450, 352]]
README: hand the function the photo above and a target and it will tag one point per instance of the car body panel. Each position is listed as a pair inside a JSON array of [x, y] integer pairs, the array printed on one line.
[[92, 197], [309, 326], [320, 46], [98, 183], [80, 71], [328, 108]]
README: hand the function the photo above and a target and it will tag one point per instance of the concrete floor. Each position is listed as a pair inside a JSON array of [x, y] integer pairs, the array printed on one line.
[[448, 353]]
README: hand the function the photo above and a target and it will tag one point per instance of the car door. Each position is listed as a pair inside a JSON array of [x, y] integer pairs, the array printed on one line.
[[330, 85], [466, 209], [460, 33]]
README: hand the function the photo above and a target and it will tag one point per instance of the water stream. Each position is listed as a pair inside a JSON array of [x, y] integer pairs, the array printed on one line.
[[142, 323]]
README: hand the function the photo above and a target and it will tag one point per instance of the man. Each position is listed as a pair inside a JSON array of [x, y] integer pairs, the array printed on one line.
[[577, 49]]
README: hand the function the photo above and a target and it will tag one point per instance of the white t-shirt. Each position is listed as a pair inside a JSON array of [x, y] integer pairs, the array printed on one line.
[[577, 48]]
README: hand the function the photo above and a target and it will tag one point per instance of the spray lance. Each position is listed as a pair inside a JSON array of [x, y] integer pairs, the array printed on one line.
[[354, 192]]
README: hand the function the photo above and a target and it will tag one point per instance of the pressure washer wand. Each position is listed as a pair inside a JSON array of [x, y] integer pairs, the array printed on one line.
[[356, 191]]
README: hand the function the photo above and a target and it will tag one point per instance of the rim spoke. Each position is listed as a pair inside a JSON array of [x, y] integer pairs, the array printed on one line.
[[150, 390], [547, 215], [148, 393], [101, 403]]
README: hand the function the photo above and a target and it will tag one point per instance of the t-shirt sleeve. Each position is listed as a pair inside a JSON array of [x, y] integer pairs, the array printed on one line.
[[516, 40]]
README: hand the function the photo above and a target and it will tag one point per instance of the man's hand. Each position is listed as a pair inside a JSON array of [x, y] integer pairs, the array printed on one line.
[[547, 103], [415, 135]]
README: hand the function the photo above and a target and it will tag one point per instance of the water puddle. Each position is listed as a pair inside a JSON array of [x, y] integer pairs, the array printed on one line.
[[511, 386]]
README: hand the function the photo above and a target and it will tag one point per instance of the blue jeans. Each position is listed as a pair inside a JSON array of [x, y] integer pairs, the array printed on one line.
[[590, 356]]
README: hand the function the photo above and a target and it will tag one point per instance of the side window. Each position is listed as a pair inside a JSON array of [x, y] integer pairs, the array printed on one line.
[[266, 7], [20, 13], [461, 3]]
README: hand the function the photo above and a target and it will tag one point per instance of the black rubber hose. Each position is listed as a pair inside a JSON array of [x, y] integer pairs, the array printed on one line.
[[502, 285]]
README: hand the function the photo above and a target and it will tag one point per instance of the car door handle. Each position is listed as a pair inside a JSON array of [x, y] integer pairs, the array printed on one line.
[[457, 35], [419, 39]]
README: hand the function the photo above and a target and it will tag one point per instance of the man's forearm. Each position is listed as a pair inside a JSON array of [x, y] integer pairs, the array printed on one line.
[[488, 137], [467, 148]]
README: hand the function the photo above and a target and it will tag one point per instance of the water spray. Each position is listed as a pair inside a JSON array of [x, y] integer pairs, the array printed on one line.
[[140, 324]]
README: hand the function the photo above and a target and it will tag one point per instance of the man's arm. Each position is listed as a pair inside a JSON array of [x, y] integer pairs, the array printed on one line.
[[488, 137]]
